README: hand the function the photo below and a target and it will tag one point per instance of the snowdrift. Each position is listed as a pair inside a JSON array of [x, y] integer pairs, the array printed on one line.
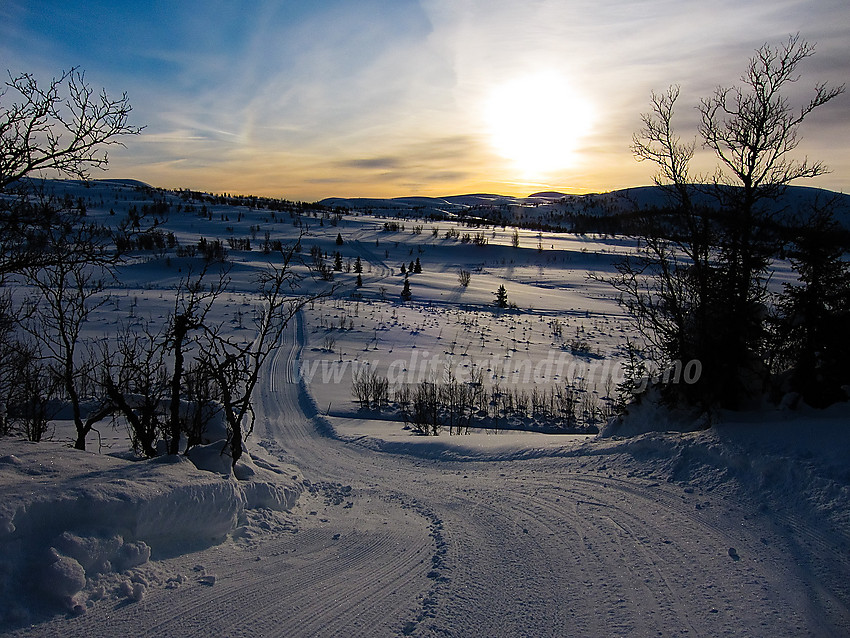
[[67, 515]]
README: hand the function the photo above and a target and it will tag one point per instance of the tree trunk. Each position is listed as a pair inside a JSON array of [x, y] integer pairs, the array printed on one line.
[[181, 328]]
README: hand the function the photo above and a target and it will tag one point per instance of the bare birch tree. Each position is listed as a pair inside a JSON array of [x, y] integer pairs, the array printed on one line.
[[698, 286]]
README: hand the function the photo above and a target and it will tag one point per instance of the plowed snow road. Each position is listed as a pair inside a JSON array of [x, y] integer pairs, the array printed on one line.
[[562, 546]]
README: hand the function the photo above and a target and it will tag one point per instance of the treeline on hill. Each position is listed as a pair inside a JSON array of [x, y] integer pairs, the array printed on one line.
[[617, 214], [253, 202]]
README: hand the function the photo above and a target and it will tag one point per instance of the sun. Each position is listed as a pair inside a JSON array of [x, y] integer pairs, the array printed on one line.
[[537, 122]]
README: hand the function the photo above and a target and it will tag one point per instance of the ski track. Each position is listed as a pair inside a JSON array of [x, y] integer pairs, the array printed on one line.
[[539, 547], [380, 269]]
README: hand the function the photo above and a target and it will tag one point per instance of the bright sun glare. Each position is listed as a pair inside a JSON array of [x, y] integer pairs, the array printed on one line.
[[537, 122]]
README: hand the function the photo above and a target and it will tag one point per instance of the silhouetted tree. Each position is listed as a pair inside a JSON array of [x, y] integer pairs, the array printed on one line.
[[63, 126], [815, 313], [194, 367], [135, 380], [698, 287], [67, 291], [193, 302], [235, 365]]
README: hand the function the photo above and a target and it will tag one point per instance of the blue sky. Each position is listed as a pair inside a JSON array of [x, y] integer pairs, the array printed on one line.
[[395, 97]]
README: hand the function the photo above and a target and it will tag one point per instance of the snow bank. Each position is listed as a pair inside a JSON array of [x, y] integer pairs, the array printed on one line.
[[67, 516], [650, 415], [784, 460], [262, 484]]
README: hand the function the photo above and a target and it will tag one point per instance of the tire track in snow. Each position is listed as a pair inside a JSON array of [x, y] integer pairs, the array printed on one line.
[[671, 552], [805, 547], [634, 558], [346, 594]]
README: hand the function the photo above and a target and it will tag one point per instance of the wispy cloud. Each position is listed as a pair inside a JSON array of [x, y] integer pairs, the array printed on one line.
[[380, 163], [299, 98]]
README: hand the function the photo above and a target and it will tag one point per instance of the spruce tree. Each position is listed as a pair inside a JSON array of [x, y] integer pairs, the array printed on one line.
[[634, 381], [405, 292], [815, 313]]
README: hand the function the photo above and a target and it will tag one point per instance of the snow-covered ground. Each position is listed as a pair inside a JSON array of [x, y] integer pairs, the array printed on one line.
[[344, 523]]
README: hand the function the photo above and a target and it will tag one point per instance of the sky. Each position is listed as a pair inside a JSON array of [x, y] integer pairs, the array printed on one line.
[[306, 99]]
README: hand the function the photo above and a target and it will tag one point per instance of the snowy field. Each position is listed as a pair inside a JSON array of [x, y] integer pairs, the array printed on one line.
[[343, 522]]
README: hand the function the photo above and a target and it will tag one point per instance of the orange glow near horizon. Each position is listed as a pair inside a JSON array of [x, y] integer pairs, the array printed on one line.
[[310, 100], [295, 181]]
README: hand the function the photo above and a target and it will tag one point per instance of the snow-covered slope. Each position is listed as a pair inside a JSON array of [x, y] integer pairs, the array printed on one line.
[[345, 524]]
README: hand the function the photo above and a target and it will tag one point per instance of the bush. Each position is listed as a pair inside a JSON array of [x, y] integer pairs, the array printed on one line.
[[370, 389]]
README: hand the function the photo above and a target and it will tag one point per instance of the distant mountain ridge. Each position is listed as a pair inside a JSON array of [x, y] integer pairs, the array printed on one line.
[[550, 210], [554, 205]]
